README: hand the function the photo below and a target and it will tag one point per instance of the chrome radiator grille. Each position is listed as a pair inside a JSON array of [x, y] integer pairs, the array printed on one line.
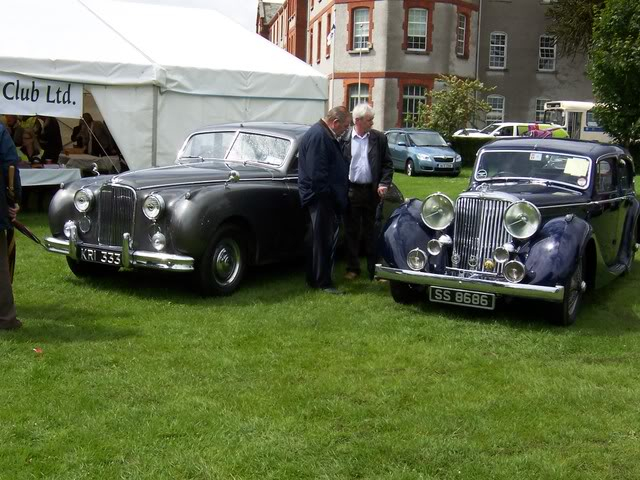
[[116, 207], [478, 231]]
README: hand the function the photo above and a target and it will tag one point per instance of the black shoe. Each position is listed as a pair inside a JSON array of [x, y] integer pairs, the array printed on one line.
[[333, 291], [11, 325]]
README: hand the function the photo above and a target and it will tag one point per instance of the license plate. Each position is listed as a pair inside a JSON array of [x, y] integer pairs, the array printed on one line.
[[445, 165], [466, 298], [97, 255]]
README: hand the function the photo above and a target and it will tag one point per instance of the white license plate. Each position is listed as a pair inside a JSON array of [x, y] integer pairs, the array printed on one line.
[[466, 298], [445, 165], [97, 255]]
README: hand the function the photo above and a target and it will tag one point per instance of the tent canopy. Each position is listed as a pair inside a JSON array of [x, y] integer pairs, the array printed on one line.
[[158, 72]]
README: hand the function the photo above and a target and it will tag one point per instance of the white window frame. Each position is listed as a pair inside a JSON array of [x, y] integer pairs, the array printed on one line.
[[361, 29], [498, 51], [497, 103], [540, 109], [547, 53], [417, 24], [353, 97], [411, 101], [461, 34]]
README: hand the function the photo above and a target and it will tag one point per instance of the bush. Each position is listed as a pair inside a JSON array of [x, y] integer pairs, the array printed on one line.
[[467, 147]]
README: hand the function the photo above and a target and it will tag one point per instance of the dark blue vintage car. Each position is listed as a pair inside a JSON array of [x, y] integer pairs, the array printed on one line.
[[541, 219], [231, 202]]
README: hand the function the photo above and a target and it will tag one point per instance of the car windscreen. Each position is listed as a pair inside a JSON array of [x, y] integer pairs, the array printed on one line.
[[557, 167], [427, 139], [206, 146], [489, 128], [258, 148]]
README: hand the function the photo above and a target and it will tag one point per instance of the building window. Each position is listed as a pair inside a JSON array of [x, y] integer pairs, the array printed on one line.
[[498, 50], [329, 36], [497, 109], [461, 36], [311, 46], [540, 108], [547, 53], [417, 29], [412, 97], [360, 28], [358, 96], [319, 30]]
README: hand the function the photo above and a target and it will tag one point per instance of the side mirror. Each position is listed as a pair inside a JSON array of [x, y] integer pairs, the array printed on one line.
[[234, 177], [402, 144], [450, 144]]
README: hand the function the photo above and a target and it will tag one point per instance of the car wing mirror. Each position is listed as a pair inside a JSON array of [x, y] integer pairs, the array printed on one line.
[[402, 144], [234, 177]]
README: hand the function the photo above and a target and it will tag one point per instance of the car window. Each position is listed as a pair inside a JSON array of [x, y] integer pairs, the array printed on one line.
[[504, 132], [535, 166], [253, 147], [427, 139], [204, 146], [392, 138], [522, 130], [402, 138], [605, 180], [489, 128]]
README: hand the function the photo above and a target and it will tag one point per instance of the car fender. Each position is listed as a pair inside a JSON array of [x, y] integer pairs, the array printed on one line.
[[405, 231], [554, 252]]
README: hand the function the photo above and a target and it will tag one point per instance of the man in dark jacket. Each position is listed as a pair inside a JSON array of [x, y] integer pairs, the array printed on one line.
[[8, 211], [323, 184], [370, 172]]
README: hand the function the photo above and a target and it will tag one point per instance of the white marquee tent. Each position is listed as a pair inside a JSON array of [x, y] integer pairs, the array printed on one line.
[[158, 72]]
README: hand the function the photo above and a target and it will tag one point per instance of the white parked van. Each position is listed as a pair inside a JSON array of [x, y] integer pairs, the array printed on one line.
[[577, 118]]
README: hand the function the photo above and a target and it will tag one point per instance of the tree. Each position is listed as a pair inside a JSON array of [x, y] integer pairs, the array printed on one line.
[[453, 106], [572, 24], [614, 69]]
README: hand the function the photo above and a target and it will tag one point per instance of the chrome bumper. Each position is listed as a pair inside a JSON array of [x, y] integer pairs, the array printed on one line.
[[130, 258], [551, 294]]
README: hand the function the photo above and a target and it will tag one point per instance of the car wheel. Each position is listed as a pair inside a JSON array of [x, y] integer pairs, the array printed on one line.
[[455, 174], [408, 168], [87, 269], [223, 265], [574, 288], [405, 292]]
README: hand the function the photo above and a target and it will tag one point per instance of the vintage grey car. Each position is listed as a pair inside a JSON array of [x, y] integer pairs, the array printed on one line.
[[541, 219], [230, 202]]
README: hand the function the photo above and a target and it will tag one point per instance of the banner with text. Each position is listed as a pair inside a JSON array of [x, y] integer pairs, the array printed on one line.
[[20, 95]]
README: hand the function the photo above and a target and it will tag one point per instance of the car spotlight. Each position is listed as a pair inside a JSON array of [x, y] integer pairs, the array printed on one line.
[[514, 271], [416, 259]]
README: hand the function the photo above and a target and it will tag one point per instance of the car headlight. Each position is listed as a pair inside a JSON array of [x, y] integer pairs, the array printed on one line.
[[423, 156], [153, 206], [522, 220], [458, 158], [437, 211], [83, 200]]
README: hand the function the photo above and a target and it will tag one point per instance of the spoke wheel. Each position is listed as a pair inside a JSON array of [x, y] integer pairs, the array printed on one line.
[[409, 168], [573, 294], [223, 265]]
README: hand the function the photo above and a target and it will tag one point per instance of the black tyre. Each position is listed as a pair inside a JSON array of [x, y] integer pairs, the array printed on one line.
[[406, 292], [574, 288], [409, 169], [224, 263], [87, 269]]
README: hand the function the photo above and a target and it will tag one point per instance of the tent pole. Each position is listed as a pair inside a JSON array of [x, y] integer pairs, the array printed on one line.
[[154, 128]]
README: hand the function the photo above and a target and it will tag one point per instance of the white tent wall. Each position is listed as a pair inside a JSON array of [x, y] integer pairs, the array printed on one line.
[[128, 113], [179, 114], [203, 67]]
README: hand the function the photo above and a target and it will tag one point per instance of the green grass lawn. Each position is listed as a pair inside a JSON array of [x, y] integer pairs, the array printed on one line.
[[141, 378]]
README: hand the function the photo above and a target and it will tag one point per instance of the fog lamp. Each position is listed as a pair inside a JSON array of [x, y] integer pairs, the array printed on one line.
[[503, 253], [85, 224], [416, 259], [158, 241], [514, 271]]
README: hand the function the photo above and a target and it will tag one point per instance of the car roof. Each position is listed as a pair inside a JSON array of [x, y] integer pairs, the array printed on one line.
[[560, 145], [278, 128]]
